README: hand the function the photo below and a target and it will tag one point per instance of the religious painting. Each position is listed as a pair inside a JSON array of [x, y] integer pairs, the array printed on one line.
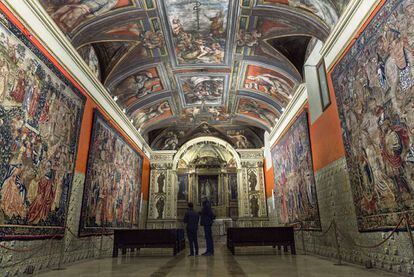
[[324, 9], [295, 190], [70, 14], [244, 138], [269, 82], [232, 181], [208, 189], [199, 30], [374, 88], [182, 187], [202, 89], [40, 119], [137, 86], [205, 114], [88, 54], [149, 114], [258, 110], [112, 190]]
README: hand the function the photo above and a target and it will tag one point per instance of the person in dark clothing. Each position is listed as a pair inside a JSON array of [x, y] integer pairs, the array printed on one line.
[[192, 218], [207, 218]]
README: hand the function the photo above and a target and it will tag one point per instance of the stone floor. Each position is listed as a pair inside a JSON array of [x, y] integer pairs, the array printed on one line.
[[248, 262]]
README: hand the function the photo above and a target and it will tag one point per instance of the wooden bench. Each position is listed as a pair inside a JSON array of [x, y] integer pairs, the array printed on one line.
[[261, 236], [148, 238]]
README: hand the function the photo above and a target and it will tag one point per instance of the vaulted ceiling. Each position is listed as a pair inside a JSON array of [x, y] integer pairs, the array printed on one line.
[[185, 68]]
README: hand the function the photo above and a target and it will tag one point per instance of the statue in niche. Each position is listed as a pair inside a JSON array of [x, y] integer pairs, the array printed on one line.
[[161, 182], [182, 187], [233, 186], [254, 206], [252, 181], [160, 207]]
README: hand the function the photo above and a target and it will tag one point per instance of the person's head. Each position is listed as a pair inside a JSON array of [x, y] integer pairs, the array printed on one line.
[[190, 205]]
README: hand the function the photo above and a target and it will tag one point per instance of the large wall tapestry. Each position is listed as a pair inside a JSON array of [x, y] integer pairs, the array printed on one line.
[[40, 119], [112, 191], [295, 190], [374, 90]]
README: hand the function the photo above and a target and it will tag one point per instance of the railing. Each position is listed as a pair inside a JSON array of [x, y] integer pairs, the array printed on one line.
[[339, 234]]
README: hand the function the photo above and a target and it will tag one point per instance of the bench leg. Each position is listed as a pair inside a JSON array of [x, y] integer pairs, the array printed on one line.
[[124, 251], [285, 249], [115, 251], [292, 249], [279, 247]]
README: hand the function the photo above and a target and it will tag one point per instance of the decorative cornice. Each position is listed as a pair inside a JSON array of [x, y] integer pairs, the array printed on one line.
[[347, 19], [299, 98], [99, 93], [251, 154]]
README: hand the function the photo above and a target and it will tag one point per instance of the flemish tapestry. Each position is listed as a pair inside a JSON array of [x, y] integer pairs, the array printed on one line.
[[295, 190], [373, 85], [40, 119], [112, 190]]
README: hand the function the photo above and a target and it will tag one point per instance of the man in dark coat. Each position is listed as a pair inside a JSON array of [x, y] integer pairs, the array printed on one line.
[[207, 218], [192, 218]]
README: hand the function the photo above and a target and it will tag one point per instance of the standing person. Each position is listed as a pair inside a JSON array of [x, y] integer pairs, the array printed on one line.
[[207, 218], [192, 218]]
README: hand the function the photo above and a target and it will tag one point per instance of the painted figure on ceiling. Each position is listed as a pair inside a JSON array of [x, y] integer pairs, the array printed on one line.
[[171, 142], [322, 8], [199, 30], [270, 84], [254, 107], [74, 12], [203, 89], [151, 113], [249, 39], [217, 25]]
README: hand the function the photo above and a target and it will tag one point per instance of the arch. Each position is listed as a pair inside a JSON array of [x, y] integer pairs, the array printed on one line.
[[202, 140]]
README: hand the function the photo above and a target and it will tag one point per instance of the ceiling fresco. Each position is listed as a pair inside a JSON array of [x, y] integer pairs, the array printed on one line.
[[180, 69]]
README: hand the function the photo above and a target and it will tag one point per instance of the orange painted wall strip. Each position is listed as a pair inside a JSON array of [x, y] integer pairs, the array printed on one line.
[[145, 179], [326, 135], [86, 127], [269, 179], [326, 131]]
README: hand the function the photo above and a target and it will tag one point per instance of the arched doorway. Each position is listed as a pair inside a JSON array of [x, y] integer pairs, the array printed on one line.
[[208, 168]]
